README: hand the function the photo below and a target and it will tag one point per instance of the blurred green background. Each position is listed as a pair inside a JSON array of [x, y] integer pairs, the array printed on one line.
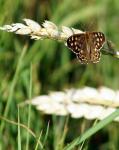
[[54, 68]]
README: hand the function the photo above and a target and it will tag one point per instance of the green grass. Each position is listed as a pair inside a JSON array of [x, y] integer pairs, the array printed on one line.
[[54, 67], [19, 137]]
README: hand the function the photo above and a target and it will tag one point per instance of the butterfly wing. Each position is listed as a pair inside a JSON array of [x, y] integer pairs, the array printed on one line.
[[95, 56], [77, 43], [97, 40]]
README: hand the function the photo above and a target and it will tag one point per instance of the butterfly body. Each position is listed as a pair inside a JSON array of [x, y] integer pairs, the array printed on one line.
[[87, 46]]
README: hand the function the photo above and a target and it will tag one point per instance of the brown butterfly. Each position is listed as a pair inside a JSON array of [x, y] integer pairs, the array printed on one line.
[[87, 46]]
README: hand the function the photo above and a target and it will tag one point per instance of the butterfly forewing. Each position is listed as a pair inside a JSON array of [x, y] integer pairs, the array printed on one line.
[[98, 39], [76, 42], [87, 46]]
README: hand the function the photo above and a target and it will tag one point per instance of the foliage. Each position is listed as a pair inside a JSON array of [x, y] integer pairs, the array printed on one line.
[[54, 67]]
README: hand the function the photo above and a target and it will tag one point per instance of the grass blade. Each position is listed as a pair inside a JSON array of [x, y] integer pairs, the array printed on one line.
[[92, 130], [11, 92], [29, 108], [19, 135]]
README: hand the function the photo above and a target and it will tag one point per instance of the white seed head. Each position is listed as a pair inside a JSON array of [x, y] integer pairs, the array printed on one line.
[[49, 25], [86, 102], [34, 26]]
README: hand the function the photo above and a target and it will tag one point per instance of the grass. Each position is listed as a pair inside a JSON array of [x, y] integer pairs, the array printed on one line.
[[19, 137], [54, 67], [92, 130], [29, 108]]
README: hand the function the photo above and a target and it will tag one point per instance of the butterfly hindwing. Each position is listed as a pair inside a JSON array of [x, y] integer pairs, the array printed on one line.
[[81, 56], [95, 57]]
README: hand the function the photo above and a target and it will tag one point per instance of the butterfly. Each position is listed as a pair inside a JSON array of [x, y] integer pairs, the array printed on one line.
[[87, 46]]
